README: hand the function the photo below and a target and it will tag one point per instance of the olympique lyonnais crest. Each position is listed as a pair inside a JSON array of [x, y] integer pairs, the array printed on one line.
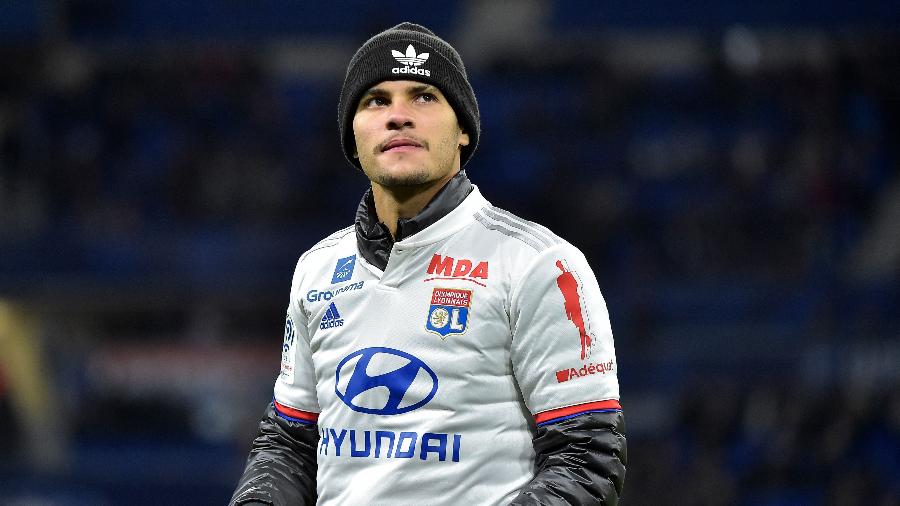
[[449, 311]]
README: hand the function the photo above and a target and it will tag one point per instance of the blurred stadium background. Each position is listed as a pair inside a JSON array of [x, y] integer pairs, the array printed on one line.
[[730, 169]]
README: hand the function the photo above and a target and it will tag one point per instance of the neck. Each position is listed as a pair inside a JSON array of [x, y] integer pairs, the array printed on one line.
[[394, 203]]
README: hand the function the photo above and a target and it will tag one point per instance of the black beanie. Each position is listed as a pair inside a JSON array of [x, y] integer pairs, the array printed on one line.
[[408, 52]]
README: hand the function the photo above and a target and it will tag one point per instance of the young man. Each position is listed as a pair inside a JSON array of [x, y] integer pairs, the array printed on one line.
[[441, 350]]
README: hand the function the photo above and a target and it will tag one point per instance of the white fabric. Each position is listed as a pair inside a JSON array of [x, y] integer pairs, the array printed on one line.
[[467, 441]]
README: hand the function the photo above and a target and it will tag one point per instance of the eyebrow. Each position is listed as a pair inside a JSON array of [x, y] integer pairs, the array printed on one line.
[[411, 90]]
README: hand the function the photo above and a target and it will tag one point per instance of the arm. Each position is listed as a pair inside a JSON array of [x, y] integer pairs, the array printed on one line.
[[281, 469], [579, 461], [564, 361]]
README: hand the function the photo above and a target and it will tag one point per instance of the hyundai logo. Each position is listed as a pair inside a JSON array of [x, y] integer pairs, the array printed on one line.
[[384, 381]]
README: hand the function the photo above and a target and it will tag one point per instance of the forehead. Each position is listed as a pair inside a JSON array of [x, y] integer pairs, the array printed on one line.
[[400, 87]]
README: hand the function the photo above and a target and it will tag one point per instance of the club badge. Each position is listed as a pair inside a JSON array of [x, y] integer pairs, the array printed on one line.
[[449, 311]]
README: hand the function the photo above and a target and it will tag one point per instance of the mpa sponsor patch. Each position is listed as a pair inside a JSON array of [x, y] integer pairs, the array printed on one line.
[[449, 311], [449, 268]]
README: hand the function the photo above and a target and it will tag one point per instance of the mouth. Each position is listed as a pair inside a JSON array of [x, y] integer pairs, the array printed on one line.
[[401, 144]]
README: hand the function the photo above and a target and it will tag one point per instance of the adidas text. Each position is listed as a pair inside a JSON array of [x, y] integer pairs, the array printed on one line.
[[331, 324], [410, 70]]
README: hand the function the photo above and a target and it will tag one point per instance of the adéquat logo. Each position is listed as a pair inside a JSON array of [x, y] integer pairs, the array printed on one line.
[[384, 381]]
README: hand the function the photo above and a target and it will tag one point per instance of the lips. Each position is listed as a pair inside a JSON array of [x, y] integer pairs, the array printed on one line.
[[401, 144]]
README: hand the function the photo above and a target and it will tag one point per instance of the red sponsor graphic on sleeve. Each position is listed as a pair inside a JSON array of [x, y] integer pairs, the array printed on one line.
[[585, 370], [568, 285]]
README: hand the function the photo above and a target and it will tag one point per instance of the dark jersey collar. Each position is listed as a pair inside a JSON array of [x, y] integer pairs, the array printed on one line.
[[373, 237]]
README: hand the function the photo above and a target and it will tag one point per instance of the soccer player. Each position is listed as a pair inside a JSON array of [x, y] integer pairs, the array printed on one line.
[[440, 351]]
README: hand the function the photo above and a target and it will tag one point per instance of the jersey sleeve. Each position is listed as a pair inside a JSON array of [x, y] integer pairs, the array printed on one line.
[[295, 387], [562, 349]]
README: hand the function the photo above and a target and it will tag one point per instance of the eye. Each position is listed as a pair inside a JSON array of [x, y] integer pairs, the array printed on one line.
[[426, 97], [374, 102]]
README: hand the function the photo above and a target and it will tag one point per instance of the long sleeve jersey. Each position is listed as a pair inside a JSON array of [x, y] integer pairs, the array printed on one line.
[[427, 366]]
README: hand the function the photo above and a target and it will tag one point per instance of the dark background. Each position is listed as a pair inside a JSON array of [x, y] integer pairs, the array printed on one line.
[[731, 172]]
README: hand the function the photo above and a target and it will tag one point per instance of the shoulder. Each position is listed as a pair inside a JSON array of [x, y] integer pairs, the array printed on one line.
[[331, 243], [533, 253], [530, 235], [528, 250], [323, 255]]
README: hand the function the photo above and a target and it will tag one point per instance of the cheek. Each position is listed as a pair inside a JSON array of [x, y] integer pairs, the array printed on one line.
[[451, 137], [356, 132], [361, 134]]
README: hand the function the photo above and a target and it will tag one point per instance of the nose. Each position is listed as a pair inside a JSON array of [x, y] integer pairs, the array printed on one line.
[[399, 116]]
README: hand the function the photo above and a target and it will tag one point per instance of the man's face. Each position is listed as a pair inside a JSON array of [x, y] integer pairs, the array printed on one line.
[[407, 134]]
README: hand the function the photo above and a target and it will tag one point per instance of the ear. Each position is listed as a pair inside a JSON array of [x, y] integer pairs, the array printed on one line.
[[463, 137]]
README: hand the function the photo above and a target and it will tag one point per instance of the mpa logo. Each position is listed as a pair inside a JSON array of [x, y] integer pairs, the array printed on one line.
[[411, 60], [384, 381], [331, 319], [450, 268], [449, 311]]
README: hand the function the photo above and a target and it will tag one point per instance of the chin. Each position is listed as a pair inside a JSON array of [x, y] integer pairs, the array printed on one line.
[[402, 172], [401, 178]]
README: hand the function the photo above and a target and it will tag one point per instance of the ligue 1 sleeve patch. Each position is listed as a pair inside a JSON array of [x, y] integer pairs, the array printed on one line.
[[287, 350], [449, 311]]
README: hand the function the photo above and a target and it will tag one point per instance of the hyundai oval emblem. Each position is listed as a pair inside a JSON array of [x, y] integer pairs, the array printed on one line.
[[384, 381]]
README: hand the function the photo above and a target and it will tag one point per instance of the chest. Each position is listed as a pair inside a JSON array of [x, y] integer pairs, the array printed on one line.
[[440, 312]]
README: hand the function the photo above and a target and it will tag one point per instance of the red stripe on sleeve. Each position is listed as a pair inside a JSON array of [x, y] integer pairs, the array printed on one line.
[[296, 413], [577, 409]]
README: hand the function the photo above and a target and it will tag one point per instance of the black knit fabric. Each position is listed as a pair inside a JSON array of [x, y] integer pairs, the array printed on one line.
[[375, 61]]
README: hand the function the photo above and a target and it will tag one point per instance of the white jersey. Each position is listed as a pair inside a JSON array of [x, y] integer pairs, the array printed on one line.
[[427, 379]]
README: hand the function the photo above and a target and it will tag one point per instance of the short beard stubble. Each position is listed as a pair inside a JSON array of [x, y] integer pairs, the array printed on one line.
[[421, 176]]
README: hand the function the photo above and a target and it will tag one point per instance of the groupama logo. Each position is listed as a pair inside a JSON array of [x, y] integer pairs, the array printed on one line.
[[384, 381]]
